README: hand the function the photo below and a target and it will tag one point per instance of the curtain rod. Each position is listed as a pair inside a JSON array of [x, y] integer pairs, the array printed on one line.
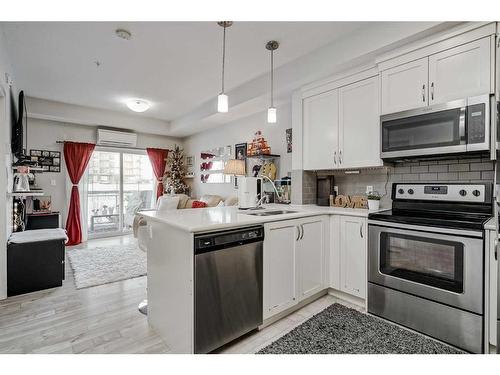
[[126, 148]]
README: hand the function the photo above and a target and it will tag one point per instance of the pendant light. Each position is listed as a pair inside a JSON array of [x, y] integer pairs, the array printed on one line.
[[222, 100], [271, 111]]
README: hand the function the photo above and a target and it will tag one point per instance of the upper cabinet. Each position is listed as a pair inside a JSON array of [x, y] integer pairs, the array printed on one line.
[[460, 72], [454, 73], [341, 127], [405, 86], [359, 130], [320, 124]]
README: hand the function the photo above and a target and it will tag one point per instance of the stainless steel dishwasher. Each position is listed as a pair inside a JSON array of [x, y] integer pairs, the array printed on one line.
[[228, 286]]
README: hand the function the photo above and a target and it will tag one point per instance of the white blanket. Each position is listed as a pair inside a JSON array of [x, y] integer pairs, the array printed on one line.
[[37, 235]]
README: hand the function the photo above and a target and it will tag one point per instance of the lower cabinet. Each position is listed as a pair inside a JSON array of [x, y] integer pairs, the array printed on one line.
[[294, 262], [492, 286], [348, 254]]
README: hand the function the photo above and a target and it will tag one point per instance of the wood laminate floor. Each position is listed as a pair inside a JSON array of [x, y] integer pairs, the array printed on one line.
[[105, 319]]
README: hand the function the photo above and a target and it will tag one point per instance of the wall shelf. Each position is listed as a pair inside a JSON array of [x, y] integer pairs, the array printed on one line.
[[264, 156], [26, 194]]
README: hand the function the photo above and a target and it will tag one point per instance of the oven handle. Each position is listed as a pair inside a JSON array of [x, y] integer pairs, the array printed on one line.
[[422, 228], [461, 126]]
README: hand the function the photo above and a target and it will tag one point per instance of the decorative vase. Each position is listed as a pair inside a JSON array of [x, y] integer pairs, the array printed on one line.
[[373, 204]]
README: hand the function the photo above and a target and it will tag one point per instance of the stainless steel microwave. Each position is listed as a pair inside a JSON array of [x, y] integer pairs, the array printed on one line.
[[455, 127]]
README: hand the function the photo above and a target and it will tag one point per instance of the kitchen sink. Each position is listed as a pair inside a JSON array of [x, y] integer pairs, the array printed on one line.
[[269, 213]]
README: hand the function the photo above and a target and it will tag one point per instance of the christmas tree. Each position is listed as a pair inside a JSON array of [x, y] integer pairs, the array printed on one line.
[[177, 172]]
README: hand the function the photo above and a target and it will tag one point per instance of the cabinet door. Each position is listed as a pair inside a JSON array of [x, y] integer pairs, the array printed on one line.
[[311, 256], [279, 290], [460, 72], [405, 86], [353, 248], [359, 124], [320, 127], [493, 285]]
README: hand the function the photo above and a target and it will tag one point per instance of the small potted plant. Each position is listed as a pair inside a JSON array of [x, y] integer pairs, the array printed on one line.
[[374, 201]]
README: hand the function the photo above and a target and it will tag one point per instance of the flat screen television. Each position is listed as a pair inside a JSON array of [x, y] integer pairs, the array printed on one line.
[[18, 129]]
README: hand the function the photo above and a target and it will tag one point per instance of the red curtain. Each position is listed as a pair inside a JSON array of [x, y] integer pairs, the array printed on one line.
[[76, 156], [158, 159]]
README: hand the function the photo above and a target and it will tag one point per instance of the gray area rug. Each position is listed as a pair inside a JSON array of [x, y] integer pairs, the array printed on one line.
[[102, 265], [341, 330]]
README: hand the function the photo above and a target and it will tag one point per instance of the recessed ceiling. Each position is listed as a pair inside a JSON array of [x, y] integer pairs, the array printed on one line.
[[173, 65]]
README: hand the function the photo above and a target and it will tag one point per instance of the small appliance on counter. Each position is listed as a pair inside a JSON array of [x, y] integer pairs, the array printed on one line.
[[21, 180], [324, 188], [249, 191]]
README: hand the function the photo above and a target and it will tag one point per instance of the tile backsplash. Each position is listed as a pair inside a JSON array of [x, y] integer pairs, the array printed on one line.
[[452, 170]]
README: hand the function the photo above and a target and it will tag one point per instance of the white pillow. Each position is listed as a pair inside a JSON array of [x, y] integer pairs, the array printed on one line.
[[167, 202]]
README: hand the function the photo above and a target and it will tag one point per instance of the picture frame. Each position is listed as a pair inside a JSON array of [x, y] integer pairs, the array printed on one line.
[[54, 168], [55, 154], [46, 154], [49, 161], [289, 140], [240, 151], [36, 153]]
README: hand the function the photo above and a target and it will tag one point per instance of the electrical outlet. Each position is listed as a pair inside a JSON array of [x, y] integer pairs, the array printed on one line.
[[52, 182], [369, 189], [336, 189]]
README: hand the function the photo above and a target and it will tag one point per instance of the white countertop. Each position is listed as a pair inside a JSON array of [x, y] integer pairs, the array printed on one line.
[[217, 218]]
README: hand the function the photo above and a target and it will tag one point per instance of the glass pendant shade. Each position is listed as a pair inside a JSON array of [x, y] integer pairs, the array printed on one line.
[[271, 115], [222, 103]]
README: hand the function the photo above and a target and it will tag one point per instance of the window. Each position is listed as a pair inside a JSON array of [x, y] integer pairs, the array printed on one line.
[[119, 184]]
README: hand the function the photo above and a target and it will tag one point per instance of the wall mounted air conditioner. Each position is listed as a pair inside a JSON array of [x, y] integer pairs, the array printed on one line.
[[115, 138]]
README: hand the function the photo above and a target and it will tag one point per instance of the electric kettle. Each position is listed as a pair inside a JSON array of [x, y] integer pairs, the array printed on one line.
[[21, 181]]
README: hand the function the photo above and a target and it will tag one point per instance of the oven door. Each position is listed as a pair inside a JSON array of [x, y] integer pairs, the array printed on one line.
[[445, 268], [432, 130]]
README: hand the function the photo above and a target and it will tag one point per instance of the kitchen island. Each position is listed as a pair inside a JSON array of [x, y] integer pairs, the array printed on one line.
[[297, 260]]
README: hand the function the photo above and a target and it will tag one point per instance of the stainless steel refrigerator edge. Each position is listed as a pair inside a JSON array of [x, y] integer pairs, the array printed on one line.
[[496, 126]]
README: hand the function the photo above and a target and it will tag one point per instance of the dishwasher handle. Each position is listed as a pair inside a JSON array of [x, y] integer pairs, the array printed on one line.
[[222, 240]]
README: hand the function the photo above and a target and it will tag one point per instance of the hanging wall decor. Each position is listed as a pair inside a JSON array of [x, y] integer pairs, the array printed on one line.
[[288, 140]]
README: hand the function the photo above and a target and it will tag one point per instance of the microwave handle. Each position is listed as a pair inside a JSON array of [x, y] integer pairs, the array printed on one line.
[[461, 125]]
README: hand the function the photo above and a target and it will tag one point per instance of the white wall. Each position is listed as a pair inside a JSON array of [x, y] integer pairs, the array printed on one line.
[[5, 131], [43, 134], [235, 132]]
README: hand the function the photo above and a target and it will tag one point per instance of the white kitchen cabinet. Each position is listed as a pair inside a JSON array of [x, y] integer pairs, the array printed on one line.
[[454, 73], [359, 130], [294, 262], [320, 130], [311, 249], [492, 287], [460, 72], [353, 253], [279, 290], [405, 86]]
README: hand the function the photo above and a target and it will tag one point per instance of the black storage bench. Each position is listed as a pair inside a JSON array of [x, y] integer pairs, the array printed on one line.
[[35, 260]]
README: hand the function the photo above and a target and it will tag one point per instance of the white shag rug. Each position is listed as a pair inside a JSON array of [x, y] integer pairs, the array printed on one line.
[[102, 265]]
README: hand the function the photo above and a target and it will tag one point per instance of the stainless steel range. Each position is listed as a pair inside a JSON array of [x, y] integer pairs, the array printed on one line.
[[426, 261]]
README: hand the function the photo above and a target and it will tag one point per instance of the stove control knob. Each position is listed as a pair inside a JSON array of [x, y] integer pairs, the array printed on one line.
[[476, 193], [401, 191], [410, 191], [462, 192]]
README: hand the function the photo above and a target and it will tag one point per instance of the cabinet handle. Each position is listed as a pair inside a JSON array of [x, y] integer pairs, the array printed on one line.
[[298, 233], [432, 91], [361, 230], [423, 92], [496, 250], [340, 157], [335, 157], [302, 229]]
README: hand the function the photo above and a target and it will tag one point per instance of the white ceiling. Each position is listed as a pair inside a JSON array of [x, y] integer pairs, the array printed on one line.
[[175, 65]]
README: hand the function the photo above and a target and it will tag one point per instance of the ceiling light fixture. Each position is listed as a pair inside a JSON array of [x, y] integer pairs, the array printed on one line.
[[271, 111], [222, 99], [138, 105]]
